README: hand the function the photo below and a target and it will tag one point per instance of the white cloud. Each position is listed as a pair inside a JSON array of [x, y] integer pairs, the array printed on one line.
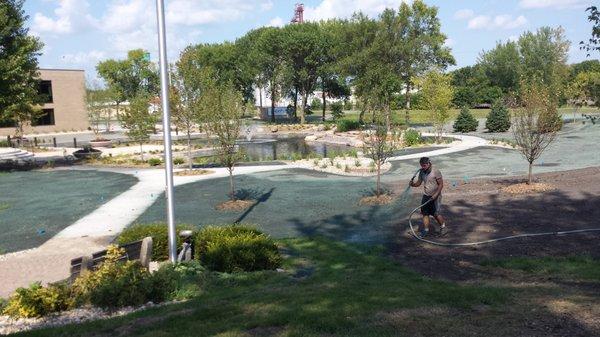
[[559, 4], [463, 14], [69, 16], [449, 42], [83, 58], [276, 22], [266, 6], [496, 22], [328, 9]]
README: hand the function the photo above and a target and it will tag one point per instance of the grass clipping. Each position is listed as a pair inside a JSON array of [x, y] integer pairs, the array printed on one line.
[[235, 205], [186, 173], [373, 200], [524, 188]]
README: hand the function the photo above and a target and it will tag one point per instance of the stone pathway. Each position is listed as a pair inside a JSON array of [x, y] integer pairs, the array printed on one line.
[[50, 261]]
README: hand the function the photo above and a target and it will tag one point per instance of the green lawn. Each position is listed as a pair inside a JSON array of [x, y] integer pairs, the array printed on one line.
[[422, 116], [327, 289], [572, 267]]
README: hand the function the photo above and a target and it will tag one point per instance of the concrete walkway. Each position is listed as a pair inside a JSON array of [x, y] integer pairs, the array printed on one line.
[[50, 261]]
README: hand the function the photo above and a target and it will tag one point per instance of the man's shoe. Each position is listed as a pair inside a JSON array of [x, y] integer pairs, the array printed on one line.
[[422, 234], [443, 231]]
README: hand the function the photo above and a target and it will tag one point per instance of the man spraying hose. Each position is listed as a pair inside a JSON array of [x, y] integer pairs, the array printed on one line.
[[432, 197]]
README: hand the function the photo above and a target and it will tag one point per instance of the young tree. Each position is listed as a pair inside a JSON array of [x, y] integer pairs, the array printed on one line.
[[185, 93], [535, 124], [19, 77], [98, 102], [465, 122], [498, 120], [223, 109], [138, 121], [379, 145], [437, 94]]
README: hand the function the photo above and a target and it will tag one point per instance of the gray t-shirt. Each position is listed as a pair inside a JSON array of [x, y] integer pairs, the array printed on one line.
[[429, 181]]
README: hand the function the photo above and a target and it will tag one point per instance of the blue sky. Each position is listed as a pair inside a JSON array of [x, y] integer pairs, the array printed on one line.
[[79, 33]]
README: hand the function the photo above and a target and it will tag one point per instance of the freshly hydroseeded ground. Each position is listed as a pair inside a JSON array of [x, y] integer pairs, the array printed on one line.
[[36, 205]]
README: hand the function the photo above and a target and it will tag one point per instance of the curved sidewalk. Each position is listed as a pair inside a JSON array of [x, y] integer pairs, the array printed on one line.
[[50, 262]]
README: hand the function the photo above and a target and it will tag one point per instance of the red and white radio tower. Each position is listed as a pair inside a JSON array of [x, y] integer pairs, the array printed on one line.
[[298, 14]]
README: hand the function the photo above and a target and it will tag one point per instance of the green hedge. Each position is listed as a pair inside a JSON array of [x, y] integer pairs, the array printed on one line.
[[344, 125], [160, 238], [236, 248]]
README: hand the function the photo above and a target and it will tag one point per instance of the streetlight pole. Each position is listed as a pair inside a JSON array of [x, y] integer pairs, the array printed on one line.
[[164, 96]]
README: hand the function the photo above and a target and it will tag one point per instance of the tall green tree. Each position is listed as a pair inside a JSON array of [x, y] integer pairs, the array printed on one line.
[[305, 55], [593, 43], [420, 43], [502, 66], [127, 79], [19, 77], [271, 63], [544, 56]]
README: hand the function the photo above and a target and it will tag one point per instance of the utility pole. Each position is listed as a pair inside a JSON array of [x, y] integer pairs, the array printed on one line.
[[164, 96]]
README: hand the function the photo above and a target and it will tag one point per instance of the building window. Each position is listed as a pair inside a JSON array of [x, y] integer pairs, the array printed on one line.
[[46, 91], [46, 118]]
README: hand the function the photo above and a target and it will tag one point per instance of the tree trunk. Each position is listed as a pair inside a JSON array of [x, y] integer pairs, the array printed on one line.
[[273, 104], [407, 115], [378, 180], [302, 109], [231, 186], [260, 96], [295, 103], [324, 102], [108, 120], [189, 144], [361, 116], [530, 177]]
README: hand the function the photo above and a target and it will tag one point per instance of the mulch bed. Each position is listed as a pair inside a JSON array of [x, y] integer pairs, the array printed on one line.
[[482, 209], [235, 205]]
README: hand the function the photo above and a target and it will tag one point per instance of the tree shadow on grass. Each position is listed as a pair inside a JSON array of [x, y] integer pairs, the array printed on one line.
[[252, 194]]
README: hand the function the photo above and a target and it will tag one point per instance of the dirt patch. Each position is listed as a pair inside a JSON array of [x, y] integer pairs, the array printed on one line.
[[373, 200], [187, 173], [524, 188], [479, 210], [235, 205]]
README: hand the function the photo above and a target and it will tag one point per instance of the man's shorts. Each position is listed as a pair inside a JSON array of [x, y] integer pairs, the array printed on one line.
[[432, 208]]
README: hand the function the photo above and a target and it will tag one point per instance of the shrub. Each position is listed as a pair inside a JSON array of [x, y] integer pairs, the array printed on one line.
[[236, 248], [160, 238], [4, 143], [412, 137], [348, 105], [344, 125], [118, 284], [38, 301], [498, 120], [178, 161], [154, 161], [337, 110], [316, 104], [465, 122]]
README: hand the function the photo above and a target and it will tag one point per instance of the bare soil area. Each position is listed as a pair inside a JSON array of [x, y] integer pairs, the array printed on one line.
[[488, 208]]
